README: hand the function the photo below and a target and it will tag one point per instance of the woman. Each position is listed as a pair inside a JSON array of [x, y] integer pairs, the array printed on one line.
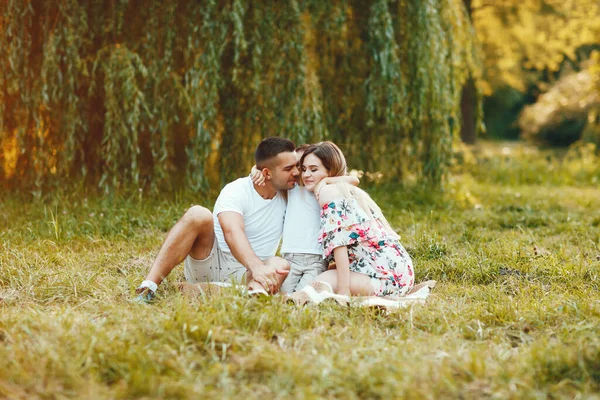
[[368, 255]]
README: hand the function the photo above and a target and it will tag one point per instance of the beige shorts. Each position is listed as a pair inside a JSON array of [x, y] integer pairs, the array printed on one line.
[[219, 266]]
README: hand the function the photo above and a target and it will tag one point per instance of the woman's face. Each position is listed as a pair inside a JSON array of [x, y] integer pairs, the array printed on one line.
[[313, 171]]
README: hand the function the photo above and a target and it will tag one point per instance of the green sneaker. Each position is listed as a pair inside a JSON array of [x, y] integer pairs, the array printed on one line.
[[146, 292], [146, 296]]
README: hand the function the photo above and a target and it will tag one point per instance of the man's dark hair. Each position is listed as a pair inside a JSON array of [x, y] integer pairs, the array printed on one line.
[[269, 148]]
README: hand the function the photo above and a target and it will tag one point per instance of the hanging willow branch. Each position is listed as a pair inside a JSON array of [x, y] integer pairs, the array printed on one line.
[[385, 87], [117, 95], [203, 84], [63, 76], [123, 74]]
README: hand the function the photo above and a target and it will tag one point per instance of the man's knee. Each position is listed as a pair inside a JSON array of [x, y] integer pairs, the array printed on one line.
[[198, 218]]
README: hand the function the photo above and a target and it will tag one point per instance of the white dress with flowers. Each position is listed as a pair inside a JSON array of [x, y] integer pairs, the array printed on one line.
[[372, 250]]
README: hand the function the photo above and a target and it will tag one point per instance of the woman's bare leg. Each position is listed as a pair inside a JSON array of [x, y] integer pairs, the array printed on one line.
[[360, 284]]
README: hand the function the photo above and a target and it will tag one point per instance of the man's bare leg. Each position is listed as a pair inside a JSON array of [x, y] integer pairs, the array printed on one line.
[[193, 234]]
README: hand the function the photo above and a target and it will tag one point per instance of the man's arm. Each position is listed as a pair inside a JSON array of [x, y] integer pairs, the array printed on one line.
[[232, 224], [233, 228]]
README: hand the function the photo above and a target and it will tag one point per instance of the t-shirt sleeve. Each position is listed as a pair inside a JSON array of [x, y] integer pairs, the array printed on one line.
[[231, 199]]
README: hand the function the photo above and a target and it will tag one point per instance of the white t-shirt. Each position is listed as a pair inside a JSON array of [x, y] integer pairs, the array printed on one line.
[[263, 218], [302, 223]]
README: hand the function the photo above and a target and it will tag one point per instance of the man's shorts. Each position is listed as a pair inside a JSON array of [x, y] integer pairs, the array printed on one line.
[[219, 266]]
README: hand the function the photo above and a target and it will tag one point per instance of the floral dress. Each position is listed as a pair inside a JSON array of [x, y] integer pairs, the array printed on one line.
[[372, 250]]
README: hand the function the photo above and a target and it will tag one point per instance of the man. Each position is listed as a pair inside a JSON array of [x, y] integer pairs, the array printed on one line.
[[239, 240]]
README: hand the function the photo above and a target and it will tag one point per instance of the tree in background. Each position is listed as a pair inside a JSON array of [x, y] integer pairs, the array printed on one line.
[[527, 45], [568, 111], [165, 93], [470, 103], [522, 40]]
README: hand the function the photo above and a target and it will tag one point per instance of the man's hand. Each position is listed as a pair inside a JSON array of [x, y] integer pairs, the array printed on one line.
[[268, 276]]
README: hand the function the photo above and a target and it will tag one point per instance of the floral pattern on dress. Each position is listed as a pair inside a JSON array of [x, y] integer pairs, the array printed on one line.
[[372, 250]]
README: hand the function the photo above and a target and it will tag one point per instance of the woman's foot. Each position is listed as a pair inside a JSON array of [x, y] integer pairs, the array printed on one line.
[[255, 288], [317, 292], [430, 284]]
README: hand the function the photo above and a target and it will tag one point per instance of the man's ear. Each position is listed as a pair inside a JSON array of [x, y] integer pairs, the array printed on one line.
[[266, 173]]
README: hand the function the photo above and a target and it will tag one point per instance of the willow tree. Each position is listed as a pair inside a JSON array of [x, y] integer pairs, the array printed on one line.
[[164, 93]]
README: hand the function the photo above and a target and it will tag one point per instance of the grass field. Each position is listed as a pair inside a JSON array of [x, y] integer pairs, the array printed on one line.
[[514, 245]]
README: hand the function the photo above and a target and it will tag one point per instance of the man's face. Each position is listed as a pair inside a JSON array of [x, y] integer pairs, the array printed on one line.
[[285, 171]]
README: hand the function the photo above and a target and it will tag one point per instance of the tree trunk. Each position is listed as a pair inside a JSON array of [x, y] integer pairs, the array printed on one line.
[[468, 133]]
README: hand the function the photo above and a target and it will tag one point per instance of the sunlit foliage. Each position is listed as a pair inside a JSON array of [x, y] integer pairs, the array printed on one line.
[[165, 93], [573, 101], [525, 38]]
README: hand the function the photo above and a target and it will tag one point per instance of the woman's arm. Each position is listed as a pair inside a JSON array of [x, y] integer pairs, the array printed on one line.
[[342, 264], [332, 180], [340, 254], [353, 180], [257, 176]]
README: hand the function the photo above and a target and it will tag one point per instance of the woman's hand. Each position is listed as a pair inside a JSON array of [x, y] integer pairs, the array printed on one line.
[[322, 183], [344, 291], [257, 177]]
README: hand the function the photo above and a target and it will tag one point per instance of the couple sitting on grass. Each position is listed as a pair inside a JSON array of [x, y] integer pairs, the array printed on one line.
[[322, 216]]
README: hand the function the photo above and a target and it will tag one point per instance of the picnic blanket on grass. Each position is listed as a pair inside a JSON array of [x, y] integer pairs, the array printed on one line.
[[319, 292]]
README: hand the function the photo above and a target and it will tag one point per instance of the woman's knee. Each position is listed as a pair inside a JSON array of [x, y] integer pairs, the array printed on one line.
[[329, 276]]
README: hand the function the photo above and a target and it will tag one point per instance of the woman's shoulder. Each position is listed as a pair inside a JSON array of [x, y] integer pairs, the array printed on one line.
[[329, 193]]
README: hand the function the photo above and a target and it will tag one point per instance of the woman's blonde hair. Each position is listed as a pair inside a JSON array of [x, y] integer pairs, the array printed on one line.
[[335, 163]]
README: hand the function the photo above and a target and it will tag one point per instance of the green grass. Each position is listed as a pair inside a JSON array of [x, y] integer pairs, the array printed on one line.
[[515, 314]]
